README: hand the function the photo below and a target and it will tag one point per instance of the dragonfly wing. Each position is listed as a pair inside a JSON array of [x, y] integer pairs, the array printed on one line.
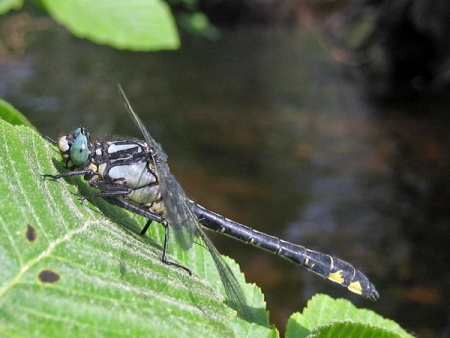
[[232, 287], [182, 218], [156, 148], [176, 202], [178, 213]]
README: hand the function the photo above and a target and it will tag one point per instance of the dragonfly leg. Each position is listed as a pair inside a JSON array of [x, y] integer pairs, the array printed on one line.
[[151, 217], [166, 245], [107, 189], [49, 139], [69, 174], [147, 225]]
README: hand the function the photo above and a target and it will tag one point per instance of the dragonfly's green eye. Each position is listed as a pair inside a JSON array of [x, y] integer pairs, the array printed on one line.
[[79, 151], [75, 148]]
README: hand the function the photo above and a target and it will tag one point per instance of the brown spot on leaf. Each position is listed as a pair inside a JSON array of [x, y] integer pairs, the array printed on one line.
[[31, 233], [48, 276]]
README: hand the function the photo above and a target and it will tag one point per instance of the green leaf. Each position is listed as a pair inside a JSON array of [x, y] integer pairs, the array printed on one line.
[[8, 5], [12, 115], [348, 329], [139, 25], [323, 310], [198, 24], [71, 268]]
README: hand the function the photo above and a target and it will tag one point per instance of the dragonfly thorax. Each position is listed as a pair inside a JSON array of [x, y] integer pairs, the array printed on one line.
[[117, 163], [129, 163]]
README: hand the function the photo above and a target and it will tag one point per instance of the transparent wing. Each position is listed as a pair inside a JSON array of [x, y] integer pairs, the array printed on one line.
[[179, 211], [229, 281], [183, 220], [179, 215]]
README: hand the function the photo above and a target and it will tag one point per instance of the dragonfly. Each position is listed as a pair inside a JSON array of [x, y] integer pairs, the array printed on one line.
[[135, 175]]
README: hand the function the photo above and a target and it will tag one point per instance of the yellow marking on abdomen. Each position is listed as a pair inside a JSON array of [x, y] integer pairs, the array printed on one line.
[[336, 277], [355, 287]]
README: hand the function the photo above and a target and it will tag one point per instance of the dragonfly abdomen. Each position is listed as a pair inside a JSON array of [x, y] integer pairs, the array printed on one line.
[[332, 268]]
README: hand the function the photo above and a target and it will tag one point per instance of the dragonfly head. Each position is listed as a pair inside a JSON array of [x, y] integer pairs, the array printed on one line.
[[75, 148]]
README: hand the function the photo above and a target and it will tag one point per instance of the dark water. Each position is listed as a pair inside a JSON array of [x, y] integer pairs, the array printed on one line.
[[265, 128]]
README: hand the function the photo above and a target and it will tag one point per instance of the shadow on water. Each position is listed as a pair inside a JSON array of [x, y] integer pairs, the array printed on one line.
[[263, 127]]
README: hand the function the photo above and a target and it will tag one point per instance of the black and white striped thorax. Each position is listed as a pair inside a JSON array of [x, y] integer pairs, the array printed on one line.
[[131, 164]]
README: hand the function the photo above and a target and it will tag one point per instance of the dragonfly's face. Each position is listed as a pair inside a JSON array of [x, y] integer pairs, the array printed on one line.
[[75, 148]]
